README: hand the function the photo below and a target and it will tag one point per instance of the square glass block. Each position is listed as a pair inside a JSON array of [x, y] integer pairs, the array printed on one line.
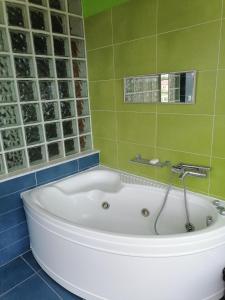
[[27, 90], [60, 46], [12, 138], [78, 48], [24, 67], [3, 40], [62, 68], [44, 67], [81, 89], [34, 134], [50, 111], [7, 91], [47, 90], [84, 125], [58, 23], [2, 169], [82, 108], [54, 150], [5, 67], [79, 69], [75, 7], [36, 155], [9, 116], [20, 42], [38, 19], [41, 44], [85, 142], [1, 13], [37, 2], [65, 89], [31, 113], [71, 146], [76, 26], [57, 4], [16, 15], [67, 109], [52, 131], [69, 128], [15, 160]]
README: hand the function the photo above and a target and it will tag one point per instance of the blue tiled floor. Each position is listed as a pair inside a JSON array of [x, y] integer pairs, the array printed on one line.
[[23, 279]]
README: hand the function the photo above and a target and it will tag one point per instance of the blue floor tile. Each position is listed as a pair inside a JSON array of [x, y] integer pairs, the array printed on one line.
[[63, 293], [31, 260], [14, 250], [10, 202], [32, 289], [13, 273], [11, 219], [12, 235]]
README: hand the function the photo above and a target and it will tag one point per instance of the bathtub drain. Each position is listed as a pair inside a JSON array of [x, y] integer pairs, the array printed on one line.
[[145, 212], [105, 205]]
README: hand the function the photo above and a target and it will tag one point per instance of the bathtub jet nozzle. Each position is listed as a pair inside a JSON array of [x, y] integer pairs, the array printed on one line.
[[189, 227]]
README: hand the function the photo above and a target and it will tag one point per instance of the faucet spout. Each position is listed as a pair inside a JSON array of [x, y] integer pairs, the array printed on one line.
[[193, 174]]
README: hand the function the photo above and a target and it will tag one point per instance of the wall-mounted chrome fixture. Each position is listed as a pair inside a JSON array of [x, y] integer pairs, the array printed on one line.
[[150, 162], [165, 88], [190, 170]]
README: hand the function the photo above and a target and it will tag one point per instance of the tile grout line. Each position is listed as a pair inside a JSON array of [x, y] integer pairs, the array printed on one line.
[[183, 70], [3, 265], [159, 113], [158, 147], [114, 93], [37, 273], [157, 34], [156, 106], [215, 94]]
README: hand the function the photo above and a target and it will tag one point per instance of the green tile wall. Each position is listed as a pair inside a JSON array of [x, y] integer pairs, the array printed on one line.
[[148, 36]]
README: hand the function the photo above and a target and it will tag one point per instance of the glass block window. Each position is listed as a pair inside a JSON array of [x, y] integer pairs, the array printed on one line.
[[44, 106]]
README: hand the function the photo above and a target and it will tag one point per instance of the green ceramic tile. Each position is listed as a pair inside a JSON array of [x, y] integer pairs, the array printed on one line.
[[98, 30], [104, 124], [138, 128], [122, 106], [222, 50], [93, 7], [175, 157], [219, 140], [217, 186], [127, 151], [135, 58], [175, 14], [102, 95], [128, 24], [194, 48], [220, 96], [100, 64], [186, 133], [205, 97], [108, 152]]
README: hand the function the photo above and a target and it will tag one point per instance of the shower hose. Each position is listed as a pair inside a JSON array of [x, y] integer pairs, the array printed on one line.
[[188, 226]]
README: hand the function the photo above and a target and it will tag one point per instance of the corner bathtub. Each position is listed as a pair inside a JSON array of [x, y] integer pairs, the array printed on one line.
[[112, 252]]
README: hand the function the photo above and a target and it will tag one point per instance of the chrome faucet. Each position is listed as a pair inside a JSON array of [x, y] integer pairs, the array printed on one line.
[[185, 170]]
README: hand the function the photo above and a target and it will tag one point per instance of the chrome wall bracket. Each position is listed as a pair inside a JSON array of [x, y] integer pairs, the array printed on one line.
[[150, 162]]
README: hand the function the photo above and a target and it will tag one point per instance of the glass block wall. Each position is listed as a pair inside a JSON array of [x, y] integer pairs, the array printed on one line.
[[44, 107]]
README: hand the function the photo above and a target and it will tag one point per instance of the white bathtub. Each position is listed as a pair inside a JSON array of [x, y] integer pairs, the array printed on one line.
[[113, 253]]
